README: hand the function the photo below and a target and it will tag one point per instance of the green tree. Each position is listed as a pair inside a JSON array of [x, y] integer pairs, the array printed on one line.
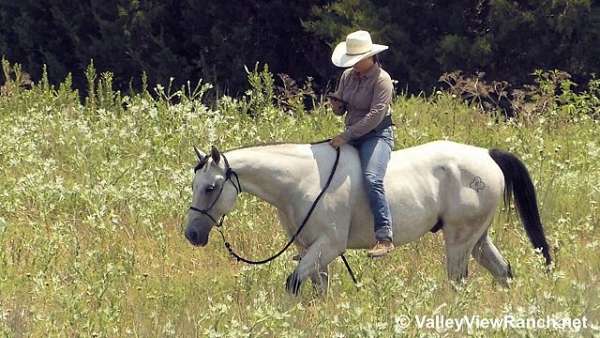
[[187, 39], [192, 39], [506, 39]]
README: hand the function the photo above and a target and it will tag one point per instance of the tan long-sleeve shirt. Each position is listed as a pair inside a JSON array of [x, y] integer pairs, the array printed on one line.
[[368, 97]]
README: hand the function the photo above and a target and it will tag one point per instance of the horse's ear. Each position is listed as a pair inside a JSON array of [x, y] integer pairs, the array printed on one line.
[[215, 154], [199, 153]]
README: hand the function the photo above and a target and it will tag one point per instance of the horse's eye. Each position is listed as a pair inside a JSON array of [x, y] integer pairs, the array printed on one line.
[[210, 188]]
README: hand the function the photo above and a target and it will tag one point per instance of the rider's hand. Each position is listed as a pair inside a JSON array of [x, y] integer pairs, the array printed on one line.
[[336, 104], [337, 141]]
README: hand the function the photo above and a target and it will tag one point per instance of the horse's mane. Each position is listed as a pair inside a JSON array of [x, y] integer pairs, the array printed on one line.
[[201, 163], [273, 144]]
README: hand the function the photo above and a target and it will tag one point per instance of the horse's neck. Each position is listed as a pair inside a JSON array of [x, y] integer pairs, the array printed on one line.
[[271, 176]]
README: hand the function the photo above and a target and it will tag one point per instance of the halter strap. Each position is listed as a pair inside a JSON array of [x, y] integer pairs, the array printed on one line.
[[238, 188]]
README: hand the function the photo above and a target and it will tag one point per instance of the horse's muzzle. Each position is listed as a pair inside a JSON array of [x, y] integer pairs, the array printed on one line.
[[196, 237]]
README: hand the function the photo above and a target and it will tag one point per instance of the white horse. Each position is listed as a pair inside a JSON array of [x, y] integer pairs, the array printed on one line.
[[438, 185]]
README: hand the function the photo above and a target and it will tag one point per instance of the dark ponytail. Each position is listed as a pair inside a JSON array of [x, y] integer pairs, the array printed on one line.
[[376, 60]]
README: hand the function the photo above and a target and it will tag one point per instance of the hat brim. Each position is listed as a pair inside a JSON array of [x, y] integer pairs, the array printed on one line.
[[341, 59]]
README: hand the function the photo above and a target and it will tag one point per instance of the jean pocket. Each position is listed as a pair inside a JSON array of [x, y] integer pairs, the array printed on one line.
[[388, 135]]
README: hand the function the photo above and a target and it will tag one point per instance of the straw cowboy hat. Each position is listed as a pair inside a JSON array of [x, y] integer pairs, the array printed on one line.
[[358, 46]]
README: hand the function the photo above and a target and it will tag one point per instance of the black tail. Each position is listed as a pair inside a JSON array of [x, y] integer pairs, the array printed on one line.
[[518, 182]]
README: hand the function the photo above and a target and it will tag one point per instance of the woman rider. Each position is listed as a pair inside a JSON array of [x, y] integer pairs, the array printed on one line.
[[364, 93]]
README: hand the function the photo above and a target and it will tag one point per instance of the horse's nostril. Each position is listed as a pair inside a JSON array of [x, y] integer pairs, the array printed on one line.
[[192, 236]]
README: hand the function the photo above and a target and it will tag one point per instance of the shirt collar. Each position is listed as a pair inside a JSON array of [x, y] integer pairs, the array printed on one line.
[[369, 74]]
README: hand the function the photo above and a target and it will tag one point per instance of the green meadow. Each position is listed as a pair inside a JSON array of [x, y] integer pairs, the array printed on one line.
[[94, 190]]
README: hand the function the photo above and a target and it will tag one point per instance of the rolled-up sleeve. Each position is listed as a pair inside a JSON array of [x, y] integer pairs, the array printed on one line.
[[382, 97]]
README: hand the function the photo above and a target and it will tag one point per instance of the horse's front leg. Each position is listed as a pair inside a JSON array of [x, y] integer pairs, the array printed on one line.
[[320, 280], [315, 261]]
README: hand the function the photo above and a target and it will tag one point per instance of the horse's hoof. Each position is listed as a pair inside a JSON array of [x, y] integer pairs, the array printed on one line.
[[292, 284]]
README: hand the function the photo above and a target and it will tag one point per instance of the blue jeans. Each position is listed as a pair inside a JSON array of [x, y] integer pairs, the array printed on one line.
[[374, 151]]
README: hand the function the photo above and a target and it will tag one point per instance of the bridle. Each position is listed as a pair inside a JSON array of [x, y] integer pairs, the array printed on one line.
[[228, 174]]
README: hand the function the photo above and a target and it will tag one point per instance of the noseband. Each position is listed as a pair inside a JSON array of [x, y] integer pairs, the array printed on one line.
[[228, 174]]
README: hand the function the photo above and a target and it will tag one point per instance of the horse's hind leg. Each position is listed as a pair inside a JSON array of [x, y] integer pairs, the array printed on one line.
[[486, 253], [460, 241], [457, 260]]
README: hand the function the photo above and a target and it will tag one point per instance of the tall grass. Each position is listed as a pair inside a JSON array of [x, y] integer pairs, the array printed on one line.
[[93, 196]]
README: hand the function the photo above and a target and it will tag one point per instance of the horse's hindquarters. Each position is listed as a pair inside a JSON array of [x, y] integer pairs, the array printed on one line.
[[435, 184]]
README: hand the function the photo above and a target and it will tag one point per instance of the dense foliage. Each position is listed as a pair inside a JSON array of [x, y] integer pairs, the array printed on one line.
[[213, 40], [186, 39], [505, 39], [93, 192]]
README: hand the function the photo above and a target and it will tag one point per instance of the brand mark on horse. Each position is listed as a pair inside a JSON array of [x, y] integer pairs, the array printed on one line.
[[477, 184]]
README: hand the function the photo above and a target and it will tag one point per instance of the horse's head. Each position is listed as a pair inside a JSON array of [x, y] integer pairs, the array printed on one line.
[[213, 195]]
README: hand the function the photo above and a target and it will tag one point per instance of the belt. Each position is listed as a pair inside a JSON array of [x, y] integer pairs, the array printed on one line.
[[386, 122]]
